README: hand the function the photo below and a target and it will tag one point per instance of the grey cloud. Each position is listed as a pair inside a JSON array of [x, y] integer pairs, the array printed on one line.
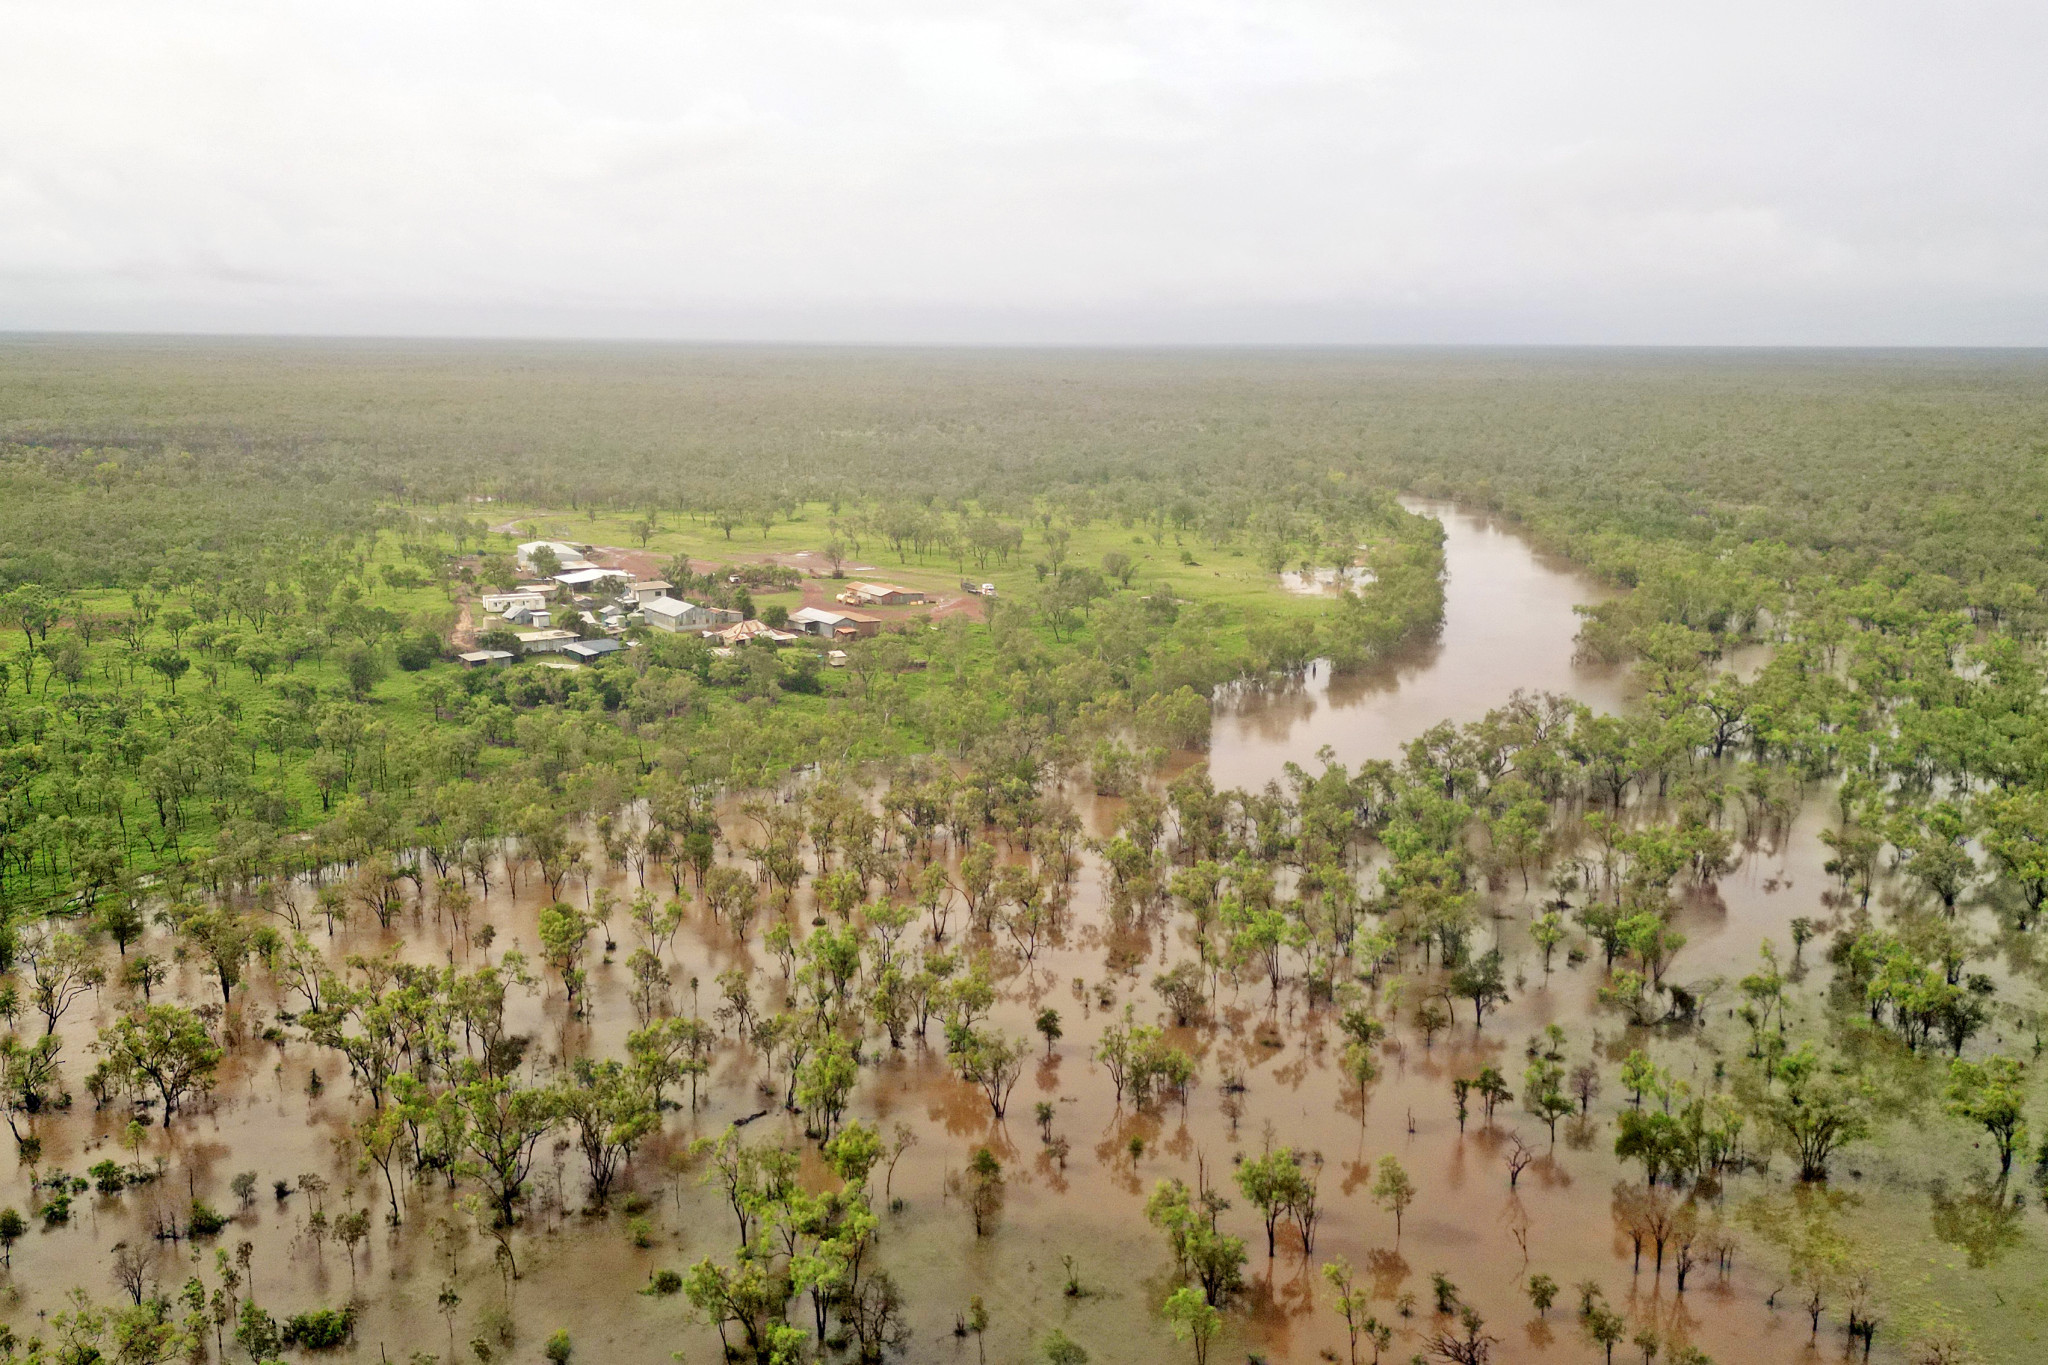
[[1207, 170]]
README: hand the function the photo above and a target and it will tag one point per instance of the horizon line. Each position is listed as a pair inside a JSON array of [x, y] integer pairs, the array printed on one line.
[[47, 335]]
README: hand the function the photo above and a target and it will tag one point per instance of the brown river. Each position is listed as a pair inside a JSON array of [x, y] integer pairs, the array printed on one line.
[[1509, 625]]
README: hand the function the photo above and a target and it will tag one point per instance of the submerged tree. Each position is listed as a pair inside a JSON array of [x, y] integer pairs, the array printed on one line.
[[164, 1048], [1992, 1093], [1393, 1191], [1813, 1110]]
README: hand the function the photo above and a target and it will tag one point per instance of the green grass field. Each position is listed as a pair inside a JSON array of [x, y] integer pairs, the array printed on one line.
[[1226, 576]]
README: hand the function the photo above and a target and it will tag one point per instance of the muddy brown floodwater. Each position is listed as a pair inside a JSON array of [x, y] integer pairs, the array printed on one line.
[[1509, 624]]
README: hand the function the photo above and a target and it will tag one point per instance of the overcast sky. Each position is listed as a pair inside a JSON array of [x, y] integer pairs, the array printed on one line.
[[1069, 170]]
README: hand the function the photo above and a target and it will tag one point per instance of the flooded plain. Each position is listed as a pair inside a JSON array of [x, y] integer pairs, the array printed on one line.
[[283, 1108]]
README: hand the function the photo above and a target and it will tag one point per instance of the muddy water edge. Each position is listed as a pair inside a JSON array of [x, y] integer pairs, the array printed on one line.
[[283, 1107]]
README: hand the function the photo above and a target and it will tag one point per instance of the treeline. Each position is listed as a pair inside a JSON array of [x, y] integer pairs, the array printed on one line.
[[727, 435], [78, 516], [1928, 463]]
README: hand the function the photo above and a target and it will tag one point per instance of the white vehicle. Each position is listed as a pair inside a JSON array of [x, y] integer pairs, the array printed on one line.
[[988, 590]]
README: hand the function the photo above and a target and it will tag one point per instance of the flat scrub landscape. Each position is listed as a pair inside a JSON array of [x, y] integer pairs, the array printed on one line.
[[934, 1000]]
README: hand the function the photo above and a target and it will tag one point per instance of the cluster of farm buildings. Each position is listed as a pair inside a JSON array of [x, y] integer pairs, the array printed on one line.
[[610, 602]]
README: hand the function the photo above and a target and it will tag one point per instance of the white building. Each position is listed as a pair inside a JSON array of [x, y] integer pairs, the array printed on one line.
[[587, 578], [674, 615], [498, 603], [545, 641], [815, 621]]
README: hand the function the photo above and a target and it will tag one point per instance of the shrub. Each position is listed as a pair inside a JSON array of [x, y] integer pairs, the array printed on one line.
[[558, 1349], [495, 1324], [416, 652], [322, 1329], [205, 1220], [1061, 1349], [363, 670], [664, 1282]]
